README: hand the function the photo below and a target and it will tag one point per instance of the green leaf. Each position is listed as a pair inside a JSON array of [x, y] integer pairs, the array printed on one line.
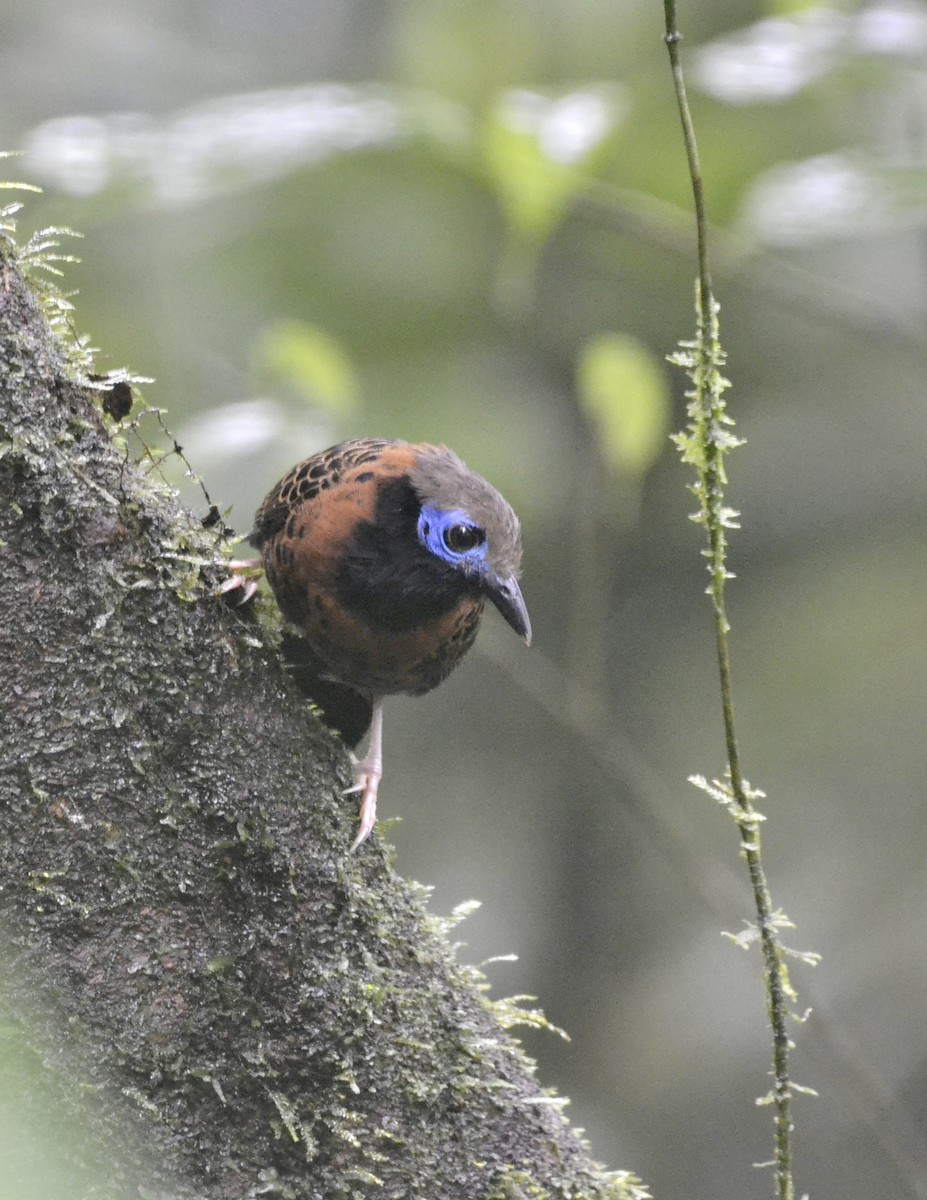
[[534, 149], [306, 359], [532, 190], [624, 393]]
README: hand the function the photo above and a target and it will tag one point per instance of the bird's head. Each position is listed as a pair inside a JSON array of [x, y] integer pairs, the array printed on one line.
[[469, 526]]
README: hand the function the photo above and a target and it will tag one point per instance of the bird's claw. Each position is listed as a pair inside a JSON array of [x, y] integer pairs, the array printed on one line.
[[245, 574], [367, 774], [367, 782]]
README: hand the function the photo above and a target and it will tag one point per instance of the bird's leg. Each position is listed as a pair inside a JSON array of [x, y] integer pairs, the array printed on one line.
[[367, 774], [243, 577]]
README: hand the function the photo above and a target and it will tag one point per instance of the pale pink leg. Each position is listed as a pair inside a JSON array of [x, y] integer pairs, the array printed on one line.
[[238, 580], [367, 774]]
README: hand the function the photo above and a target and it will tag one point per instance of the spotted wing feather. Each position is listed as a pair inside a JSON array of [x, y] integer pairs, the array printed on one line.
[[309, 479]]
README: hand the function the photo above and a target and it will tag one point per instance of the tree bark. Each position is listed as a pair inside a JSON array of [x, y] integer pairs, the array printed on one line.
[[250, 1009]]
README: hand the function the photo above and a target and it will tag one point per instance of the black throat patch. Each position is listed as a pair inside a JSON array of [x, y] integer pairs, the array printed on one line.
[[387, 577]]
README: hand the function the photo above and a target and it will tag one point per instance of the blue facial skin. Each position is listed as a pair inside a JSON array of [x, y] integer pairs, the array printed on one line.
[[433, 525]]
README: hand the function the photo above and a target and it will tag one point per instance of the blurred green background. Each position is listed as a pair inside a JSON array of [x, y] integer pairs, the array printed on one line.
[[468, 221]]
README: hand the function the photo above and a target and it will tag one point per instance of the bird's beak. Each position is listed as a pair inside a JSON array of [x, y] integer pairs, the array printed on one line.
[[506, 595]]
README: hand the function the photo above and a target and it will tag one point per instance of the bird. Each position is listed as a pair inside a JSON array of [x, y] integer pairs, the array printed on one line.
[[382, 554]]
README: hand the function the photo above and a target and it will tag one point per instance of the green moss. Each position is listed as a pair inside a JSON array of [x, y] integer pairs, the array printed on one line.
[[518, 1183]]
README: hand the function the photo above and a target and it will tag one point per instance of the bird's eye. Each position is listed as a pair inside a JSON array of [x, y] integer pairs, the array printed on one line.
[[461, 538], [453, 537]]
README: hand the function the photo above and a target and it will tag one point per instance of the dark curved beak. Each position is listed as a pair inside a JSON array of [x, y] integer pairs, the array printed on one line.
[[507, 597]]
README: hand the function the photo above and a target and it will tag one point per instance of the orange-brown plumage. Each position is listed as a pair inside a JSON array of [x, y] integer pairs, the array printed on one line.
[[383, 555]]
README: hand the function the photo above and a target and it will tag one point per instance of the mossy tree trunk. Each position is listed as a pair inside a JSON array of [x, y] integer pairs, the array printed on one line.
[[251, 1009]]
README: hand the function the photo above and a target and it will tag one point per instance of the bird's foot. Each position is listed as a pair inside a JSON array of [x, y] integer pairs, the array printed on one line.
[[368, 771], [366, 781], [245, 575]]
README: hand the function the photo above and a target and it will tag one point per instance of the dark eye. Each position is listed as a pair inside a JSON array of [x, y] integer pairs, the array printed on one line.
[[461, 538]]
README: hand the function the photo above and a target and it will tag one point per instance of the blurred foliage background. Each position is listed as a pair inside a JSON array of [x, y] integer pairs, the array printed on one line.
[[469, 222]]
